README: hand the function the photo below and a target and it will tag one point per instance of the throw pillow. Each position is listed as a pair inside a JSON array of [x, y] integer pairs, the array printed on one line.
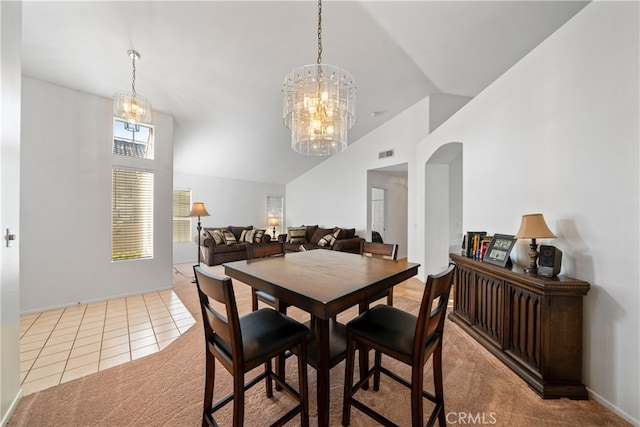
[[259, 234], [329, 239], [297, 235], [229, 238], [237, 230], [347, 233], [247, 236], [319, 234], [216, 236]]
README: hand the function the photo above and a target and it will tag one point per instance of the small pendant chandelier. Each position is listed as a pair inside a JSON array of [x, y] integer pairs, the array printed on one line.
[[319, 105], [134, 109]]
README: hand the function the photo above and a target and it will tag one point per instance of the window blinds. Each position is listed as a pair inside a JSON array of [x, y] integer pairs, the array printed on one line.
[[132, 215]]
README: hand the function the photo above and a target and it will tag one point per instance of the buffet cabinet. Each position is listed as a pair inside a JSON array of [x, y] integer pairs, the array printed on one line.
[[531, 323]]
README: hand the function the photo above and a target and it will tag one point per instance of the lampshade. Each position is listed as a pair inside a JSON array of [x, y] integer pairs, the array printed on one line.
[[274, 221], [319, 105], [533, 226], [131, 107], [198, 209]]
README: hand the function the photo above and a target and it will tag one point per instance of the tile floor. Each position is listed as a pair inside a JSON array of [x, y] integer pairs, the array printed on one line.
[[61, 345]]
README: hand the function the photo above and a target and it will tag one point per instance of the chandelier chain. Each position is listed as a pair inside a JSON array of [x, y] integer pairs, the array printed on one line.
[[133, 77], [319, 32]]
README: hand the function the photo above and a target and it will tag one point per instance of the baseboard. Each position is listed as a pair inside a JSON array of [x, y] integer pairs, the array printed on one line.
[[11, 408], [604, 402], [91, 301]]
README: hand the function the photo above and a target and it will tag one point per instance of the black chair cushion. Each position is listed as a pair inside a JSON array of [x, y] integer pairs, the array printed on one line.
[[389, 326], [265, 331]]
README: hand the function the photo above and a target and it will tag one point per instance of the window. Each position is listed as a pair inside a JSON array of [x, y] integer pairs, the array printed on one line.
[[181, 219], [132, 143], [132, 215]]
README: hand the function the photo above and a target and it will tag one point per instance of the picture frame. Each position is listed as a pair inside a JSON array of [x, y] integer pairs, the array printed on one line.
[[499, 248]]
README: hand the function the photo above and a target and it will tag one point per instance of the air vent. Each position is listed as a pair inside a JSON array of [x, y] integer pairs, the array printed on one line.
[[383, 154]]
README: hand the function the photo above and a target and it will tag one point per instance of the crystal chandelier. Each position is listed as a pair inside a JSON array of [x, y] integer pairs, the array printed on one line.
[[319, 105], [129, 106]]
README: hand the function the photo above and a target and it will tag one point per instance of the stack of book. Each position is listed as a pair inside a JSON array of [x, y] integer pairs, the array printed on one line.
[[474, 244]]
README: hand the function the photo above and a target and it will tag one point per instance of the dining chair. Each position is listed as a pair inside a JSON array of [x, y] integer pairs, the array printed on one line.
[[410, 339], [263, 251], [244, 343], [387, 251]]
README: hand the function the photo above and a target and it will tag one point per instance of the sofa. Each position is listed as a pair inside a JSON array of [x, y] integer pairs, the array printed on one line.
[[225, 244], [308, 237]]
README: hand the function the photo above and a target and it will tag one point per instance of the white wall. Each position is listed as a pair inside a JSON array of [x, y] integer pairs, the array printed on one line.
[[65, 204], [229, 201], [558, 134], [10, 68]]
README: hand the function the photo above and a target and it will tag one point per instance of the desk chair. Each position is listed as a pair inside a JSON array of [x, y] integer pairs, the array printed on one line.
[[407, 338], [243, 343]]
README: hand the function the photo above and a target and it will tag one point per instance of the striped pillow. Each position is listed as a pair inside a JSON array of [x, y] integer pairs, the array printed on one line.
[[216, 235], [259, 234], [247, 236], [297, 235], [329, 239], [229, 238]]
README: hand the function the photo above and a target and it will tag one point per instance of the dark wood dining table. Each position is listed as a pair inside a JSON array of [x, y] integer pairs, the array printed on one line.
[[323, 283]]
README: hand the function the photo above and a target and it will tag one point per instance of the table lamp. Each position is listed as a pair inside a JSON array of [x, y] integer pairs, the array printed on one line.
[[198, 210], [274, 222], [533, 227]]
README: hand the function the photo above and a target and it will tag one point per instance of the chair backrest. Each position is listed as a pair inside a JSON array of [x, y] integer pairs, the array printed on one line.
[[379, 250], [431, 319], [221, 330], [261, 251]]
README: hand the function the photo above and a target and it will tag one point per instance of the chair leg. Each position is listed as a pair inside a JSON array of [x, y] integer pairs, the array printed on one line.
[[209, 383], [303, 383], [376, 374], [390, 297], [348, 380], [363, 362], [238, 398], [437, 382], [254, 300], [280, 360], [268, 379], [417, 385]]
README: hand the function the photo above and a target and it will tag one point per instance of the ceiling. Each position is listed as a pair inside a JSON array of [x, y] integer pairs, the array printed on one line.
[[217, 66]]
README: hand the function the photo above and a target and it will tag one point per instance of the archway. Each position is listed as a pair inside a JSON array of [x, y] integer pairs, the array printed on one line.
[[443, 206]]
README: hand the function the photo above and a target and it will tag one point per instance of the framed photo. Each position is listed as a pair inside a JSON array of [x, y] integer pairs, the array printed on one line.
[[499, 248]]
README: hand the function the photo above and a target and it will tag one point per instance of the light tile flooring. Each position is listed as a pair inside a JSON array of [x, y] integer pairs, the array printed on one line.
[[61, 345]]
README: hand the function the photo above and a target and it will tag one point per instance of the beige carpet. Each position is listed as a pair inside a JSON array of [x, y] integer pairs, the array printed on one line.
[[165, 389]]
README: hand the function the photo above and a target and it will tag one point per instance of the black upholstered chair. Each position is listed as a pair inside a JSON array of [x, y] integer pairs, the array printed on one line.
[[263, 251], [243, 343], [407, 338]]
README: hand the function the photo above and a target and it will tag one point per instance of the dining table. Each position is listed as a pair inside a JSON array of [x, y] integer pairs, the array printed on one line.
[[323, 283]]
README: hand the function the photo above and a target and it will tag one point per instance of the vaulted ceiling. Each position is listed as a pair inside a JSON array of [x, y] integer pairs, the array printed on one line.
[[217, 66]]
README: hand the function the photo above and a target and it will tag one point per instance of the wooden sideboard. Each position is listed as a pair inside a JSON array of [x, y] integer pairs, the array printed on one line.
[[531, 323]]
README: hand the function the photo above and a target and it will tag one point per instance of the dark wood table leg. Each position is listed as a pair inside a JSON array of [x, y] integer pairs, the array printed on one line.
[[323, 371]]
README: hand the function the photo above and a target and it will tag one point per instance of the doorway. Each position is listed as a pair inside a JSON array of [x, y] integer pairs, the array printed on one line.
[[387, 205], [378, 208]]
